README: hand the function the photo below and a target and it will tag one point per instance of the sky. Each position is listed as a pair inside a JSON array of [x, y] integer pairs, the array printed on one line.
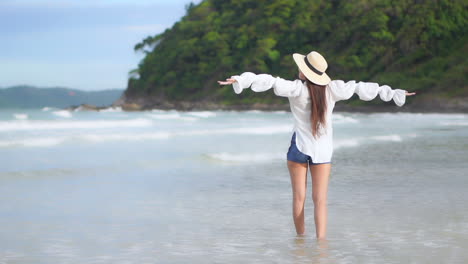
[[80, 44]]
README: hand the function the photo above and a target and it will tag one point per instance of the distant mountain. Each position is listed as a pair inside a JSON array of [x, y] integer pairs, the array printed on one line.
[[23, 96]]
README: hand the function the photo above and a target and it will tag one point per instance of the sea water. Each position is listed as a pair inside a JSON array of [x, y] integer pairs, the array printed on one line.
[[213, 187]]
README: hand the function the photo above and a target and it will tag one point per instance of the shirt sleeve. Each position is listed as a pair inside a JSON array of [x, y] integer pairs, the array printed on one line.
[[366, 91], [263, 82]]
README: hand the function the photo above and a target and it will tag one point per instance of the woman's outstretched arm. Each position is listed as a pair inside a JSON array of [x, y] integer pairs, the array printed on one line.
[[367, 91], [263, 82]]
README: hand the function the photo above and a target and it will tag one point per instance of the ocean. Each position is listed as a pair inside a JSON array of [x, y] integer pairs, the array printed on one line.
[[213, 187]]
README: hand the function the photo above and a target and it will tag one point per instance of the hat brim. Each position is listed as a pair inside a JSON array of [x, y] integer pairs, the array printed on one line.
[[309, 74]]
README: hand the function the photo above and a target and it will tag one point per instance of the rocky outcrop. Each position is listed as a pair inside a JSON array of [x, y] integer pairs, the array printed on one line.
[[148, 103], [85, 107]]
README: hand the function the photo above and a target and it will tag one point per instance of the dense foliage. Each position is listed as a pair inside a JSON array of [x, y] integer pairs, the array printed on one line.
[[415, 45]]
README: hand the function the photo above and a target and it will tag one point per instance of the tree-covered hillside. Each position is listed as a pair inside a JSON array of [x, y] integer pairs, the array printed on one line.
[[415, 45]]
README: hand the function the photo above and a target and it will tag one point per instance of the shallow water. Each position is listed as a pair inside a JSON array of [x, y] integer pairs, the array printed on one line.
[[213, 187]]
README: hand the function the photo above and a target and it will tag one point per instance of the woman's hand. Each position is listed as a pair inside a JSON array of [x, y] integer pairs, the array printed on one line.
[[408, 94], [228, 81]]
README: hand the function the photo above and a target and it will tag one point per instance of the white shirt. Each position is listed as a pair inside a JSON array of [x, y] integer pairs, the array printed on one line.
[[321, 149]]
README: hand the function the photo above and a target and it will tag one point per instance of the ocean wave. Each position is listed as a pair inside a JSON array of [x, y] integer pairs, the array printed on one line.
[[394, 137], [267, 130], [20, 116], [353, 142], [45, 125], [33, 142], [63, 113], [454, 123], [280, 112], [245, 157], [127, 137], [106, 137], [94, 138], [172, 116], [418, 116], [344, 143], [254, 111], [46, 108], [161, 111], [111, 109], [342, 119], [265, 157], [203, 114]]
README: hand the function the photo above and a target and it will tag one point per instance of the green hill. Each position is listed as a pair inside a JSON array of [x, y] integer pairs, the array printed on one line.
[[23, 96], [413, 45]]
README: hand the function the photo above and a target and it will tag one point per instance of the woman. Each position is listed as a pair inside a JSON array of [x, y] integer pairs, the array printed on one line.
[[312, 99]]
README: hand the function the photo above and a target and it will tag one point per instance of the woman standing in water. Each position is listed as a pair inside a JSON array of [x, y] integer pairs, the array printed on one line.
[[312, 99]]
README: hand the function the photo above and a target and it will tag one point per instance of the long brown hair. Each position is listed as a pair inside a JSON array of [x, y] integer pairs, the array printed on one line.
[[318, 106]]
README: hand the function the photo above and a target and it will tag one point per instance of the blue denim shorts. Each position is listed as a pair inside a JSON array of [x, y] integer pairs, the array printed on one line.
[[297, 156]]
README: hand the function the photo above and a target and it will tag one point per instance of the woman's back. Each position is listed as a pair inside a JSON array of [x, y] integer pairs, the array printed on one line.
[[319, 148]]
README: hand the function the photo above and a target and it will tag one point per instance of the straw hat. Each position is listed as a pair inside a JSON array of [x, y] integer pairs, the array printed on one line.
[[313, 66]]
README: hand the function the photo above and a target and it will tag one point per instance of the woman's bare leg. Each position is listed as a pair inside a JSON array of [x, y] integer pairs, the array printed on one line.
[[320, 175], [298, 174]]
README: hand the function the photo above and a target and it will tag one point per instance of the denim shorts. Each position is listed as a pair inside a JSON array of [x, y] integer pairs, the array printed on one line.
[[297, 156]]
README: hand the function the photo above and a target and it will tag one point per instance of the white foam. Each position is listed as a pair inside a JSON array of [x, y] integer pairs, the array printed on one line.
[[33, 142], [77, 124], [172, 116], [253, 111], [267, 130], [454, 123], [395, 138], [280, 112], [79, 108], [203, 114], [419, 116], [20, 116], [46, 109], [94, 138], [104, 137], [434, 244], [111, 109], [341, 119], [353, 142], [342, 143], [63, 113], [246, 157], [127, 137], [158, 111]]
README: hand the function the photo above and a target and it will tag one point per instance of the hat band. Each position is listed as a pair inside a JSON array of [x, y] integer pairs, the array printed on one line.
[[312, 67]]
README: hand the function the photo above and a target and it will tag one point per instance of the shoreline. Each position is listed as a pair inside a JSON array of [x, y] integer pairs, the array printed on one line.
[[210, 106], [422, 104]]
